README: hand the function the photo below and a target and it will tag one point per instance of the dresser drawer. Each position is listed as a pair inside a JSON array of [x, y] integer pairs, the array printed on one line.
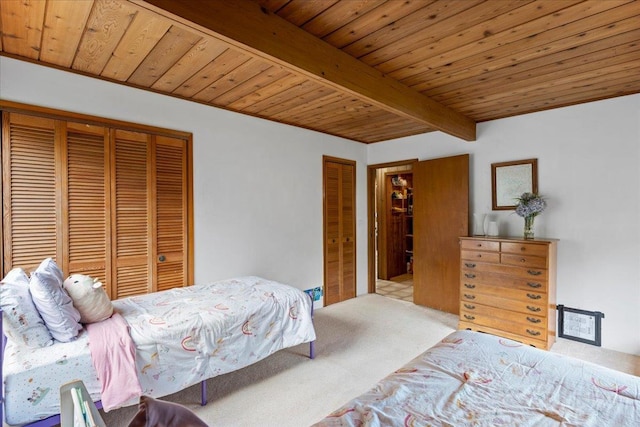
[[470, 314], [507, 270], [534, 308], [503, 320], [480, 256], [469, 291], [535, 283], [480, 245], [524, 249], [524, 260]]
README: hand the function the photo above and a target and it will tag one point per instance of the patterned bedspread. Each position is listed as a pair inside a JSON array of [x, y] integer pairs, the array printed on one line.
[[182, 336], [476, 379]]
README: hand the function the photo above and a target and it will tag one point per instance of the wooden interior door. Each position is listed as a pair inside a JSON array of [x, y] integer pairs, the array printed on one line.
[[339, 230], [441, 216]]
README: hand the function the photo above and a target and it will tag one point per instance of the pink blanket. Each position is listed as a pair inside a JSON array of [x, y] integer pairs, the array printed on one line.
[[114, 358]]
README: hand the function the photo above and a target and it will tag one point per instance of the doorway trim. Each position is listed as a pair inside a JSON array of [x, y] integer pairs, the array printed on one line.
[[371, 217]]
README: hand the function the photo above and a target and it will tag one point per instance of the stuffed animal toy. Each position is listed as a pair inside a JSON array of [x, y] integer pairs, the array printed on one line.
[[89, 298]]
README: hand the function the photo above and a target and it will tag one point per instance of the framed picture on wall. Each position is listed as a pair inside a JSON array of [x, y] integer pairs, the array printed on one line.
[[510, 179], [580, 325]]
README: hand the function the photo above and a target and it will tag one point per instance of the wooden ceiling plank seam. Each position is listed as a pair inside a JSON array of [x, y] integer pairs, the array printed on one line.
[[22, 26], [252, 85], [237, 76], [226, 62], [273, 5], [371, 119], [299, 12], [304, 107], [621, 86], [591, 77], [519, 24], [525, 36], [383, 16], [294, 86], [143, 35], [307, 91], [382, 45], [105, 28], [265, 92], [173, 45], [268, 36], [545, 78], [341, 14], [65, 22], [389, 130], [578, 33], [354, 116], [579, 65], [198, 57], [610, 45], [348, 109]]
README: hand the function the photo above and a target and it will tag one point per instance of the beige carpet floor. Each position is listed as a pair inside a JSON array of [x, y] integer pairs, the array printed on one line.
[[360, 341]]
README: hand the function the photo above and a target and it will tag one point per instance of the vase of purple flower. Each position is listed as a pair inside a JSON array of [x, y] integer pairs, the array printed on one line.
[[529, 206]]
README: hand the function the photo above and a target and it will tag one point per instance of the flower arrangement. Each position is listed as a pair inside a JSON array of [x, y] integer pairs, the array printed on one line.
[[529, 206]]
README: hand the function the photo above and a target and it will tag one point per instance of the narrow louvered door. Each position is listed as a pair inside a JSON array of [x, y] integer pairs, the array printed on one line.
[[133, 214], [339, 230], [86, 195], [29, 191], [171, 213]]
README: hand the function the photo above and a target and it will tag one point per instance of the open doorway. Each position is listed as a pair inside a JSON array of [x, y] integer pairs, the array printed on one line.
[[393, 228]]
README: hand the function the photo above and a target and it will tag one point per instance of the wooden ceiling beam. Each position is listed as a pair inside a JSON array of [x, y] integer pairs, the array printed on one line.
[[245, 25]]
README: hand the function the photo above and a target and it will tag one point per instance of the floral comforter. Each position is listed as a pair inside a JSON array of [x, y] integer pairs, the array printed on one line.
[[475, 379], [182, 336]]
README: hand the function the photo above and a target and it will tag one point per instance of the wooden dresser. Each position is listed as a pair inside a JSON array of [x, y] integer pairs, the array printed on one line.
[[508, 288]]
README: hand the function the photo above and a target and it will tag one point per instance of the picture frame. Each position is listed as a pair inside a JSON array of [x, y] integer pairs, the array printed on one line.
[[580, 325], [510, 179]]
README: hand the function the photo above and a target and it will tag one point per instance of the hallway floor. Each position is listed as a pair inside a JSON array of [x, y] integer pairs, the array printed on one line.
[[399, 287]]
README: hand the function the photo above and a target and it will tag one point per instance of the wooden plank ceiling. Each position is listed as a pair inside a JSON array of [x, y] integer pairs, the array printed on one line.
[[365, 70]]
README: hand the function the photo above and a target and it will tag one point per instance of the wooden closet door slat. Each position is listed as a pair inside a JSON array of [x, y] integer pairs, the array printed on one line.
[[171, 212], [29, 175], [131, 240], [88, 207]]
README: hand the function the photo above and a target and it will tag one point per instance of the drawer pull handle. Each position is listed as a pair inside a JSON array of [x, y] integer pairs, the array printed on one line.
[[534, 296], [534, 284], [536, 309], [534, 333], [469, 275], [469, 265], [523, 260], [470, 306], [467, 296], [466, 316], [534, 272], [469, 286], [533, 319]]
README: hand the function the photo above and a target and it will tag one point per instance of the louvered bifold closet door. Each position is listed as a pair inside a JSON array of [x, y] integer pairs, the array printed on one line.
[[348, 231], [332, 190], [29, 186], [171, 212], [132, 214], [87, 198]]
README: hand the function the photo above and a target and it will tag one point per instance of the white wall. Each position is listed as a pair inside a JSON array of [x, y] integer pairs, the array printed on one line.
[[588, 169], [257, 184]]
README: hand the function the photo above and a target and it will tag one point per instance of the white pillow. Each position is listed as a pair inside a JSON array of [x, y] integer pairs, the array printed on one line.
[[21, 321], [53, 303]]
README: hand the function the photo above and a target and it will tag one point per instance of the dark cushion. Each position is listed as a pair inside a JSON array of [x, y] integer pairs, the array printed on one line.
[[158, 413]]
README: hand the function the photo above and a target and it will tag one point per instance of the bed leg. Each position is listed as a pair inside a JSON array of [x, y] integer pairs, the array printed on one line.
[[312, 350], [203, 393]]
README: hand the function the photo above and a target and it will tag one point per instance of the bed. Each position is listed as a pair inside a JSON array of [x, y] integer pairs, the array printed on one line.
[[471, 378], [182, 336]]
